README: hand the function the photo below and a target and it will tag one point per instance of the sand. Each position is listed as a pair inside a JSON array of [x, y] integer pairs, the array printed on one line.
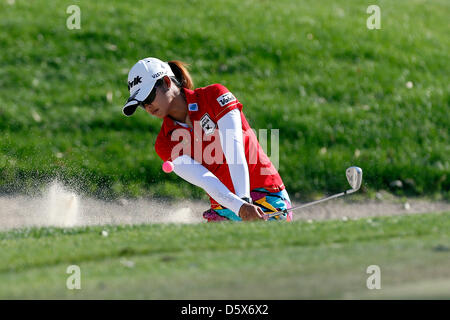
[[61, 207]]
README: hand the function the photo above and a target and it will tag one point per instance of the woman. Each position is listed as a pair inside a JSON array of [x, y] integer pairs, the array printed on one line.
[[209, 141]]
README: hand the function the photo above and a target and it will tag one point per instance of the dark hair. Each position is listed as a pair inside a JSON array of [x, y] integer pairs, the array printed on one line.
[[182, 76]]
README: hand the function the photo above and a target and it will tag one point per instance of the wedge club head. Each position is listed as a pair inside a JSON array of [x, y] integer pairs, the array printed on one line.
[[354, 178]]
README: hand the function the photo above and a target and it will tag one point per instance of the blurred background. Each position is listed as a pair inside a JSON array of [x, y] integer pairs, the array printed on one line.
[[339, 93]]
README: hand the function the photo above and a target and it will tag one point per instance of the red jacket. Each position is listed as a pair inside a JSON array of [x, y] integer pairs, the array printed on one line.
[[205, 107]]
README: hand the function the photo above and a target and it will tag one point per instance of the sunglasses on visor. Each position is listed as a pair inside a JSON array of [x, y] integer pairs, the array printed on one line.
[[150, 98]]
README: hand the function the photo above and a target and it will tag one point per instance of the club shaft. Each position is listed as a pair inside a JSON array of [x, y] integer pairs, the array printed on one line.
[[316, 202], [308, 204]]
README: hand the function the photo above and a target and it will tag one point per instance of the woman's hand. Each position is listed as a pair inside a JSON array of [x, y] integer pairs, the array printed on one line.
[[249, 212]]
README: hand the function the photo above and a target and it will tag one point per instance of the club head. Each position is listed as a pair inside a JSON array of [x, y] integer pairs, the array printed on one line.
[[354, 177]]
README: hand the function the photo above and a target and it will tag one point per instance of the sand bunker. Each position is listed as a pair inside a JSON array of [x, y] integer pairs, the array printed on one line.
[[60, 207]]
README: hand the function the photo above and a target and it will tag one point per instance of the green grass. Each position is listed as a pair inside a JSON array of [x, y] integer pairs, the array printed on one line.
[[336, 90], [326, 259]]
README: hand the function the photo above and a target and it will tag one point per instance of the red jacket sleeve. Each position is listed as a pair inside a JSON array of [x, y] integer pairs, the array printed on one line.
[[221, 101]]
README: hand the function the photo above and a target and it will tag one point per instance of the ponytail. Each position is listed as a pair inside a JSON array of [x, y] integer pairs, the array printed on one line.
[[181, 74]]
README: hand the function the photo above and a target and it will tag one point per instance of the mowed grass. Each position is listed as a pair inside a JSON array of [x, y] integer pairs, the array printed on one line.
[[336, 90], [326, 259]]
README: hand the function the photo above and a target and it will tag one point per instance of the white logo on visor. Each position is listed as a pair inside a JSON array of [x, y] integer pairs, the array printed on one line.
[[225, 99], [158, 74]]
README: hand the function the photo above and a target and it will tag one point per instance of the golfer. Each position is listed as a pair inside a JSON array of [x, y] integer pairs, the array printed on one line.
[[206, 136]]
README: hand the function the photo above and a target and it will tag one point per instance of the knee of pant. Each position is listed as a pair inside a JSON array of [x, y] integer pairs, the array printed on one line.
[[285, 195], [227, 213], [276, 202]]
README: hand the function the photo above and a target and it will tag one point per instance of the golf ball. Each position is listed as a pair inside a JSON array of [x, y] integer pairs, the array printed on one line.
[[167, 167]]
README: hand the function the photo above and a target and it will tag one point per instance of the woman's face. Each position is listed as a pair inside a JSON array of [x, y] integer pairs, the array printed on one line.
[[160, 106]]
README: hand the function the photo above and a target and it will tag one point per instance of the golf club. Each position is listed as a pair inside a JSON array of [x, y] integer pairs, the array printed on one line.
[[354, 178]]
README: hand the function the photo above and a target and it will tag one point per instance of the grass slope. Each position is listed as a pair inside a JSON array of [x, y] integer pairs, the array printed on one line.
[[336, 90], [297, 260]]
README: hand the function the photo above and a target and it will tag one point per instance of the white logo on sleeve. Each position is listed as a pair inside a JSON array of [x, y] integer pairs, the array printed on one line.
[[207, 124], [225, 99]]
